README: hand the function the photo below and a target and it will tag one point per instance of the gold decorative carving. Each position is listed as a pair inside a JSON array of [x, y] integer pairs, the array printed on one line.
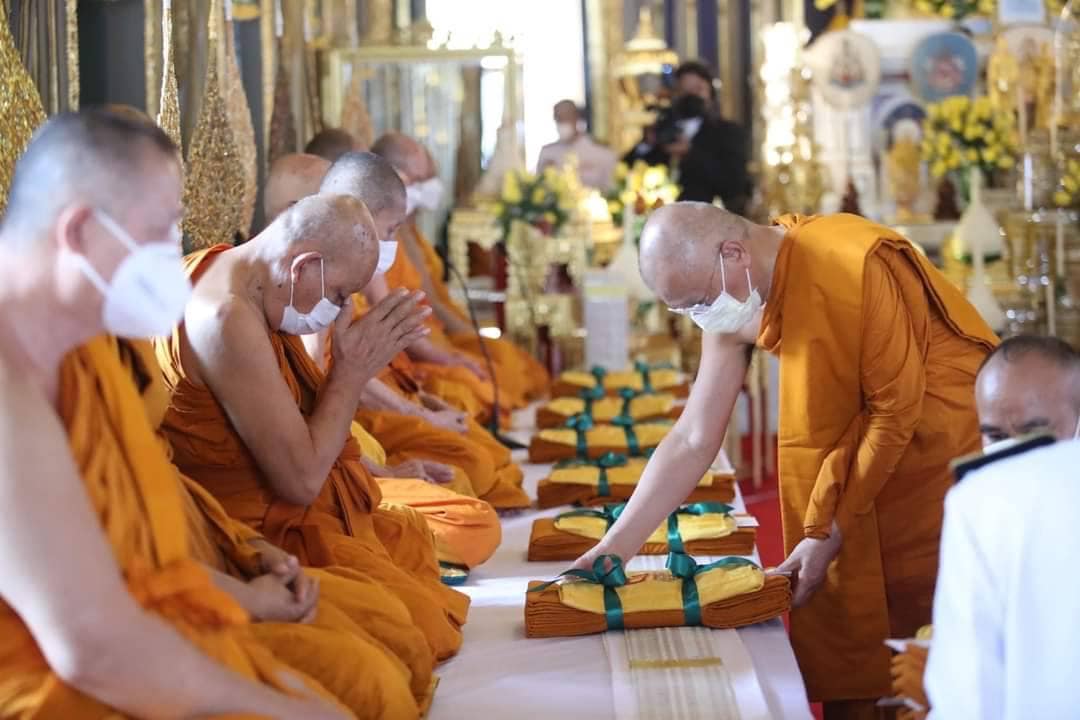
[[379, 22], [268, 41], [71, 21], [355, 119], [242, 127], [153, 52], [215, 181], [168, 115], [21, 111], [282, 120]]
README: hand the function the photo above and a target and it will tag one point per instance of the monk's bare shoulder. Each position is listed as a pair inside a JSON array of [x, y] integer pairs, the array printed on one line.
[[216, 329], [29, 426]]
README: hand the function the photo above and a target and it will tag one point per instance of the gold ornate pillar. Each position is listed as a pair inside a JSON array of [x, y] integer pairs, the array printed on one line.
[[604, 19], [20, 112]]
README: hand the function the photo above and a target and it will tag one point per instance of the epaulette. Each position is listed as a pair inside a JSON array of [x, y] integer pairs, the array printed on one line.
[[1007, 449]]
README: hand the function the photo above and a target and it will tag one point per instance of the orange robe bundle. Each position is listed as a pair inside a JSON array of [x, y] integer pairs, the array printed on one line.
[[520, 376], [490, 472], [653, 600], [878, 356], [345, 526], [567, 443], [134, 492], [549, 542], [348, 607], [660, 380], [580, 484], [643, 408]]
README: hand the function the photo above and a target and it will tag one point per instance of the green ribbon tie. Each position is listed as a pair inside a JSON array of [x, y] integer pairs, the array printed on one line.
[[605, 461], [608, 513], [598, 373], [590, 395], [646, 383], [674, 538], [581, 424], [627, 424], [609, 579], [627, 395], [685, 567]]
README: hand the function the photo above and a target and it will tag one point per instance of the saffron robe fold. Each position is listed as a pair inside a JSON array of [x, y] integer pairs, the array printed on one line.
[[345, 526], [492, 474], [878, 356], [548, 543], [347, 607], [520, 376], [133, 490]]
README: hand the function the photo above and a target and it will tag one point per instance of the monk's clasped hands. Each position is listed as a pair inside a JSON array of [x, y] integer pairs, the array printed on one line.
[[366, 345]]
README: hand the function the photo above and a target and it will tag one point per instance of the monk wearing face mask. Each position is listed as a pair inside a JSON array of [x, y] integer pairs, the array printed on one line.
[[878, 354]]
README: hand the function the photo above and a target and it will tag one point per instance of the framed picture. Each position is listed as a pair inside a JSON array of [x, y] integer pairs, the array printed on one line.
[[943, 65], [847, 69]]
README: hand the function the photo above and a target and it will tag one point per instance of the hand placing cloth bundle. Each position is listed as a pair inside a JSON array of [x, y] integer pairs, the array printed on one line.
[[581, 438], [699, 529], [729, 593], [642, 379], [602, 408], [612, 478], [908, 669]]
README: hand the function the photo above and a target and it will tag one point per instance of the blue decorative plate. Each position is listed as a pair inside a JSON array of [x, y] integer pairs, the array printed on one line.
[[943, 65]]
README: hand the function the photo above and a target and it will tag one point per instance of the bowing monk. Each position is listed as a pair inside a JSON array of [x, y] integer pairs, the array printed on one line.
[[408, 421], [878, 355], [454, 340], [90, 232], [1029, 384], [258, 424]]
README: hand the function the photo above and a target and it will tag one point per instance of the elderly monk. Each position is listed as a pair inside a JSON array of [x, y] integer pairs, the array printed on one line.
[[454, 345], [257, 423], [332, 143], [291, 178], [408, 421], [423, 439], [1029, 384], [93, 502], [878, 355]]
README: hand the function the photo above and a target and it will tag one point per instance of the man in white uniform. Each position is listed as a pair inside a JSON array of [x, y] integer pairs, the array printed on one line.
[[595, 163], [1005, 621]]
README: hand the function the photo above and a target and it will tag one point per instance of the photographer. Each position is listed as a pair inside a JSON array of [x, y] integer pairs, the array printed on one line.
[[709, 152]]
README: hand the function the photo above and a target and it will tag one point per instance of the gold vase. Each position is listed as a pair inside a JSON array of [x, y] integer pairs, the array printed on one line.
[[214, 186], [282, 122], [243, 129], [169, 104], [21, 111]]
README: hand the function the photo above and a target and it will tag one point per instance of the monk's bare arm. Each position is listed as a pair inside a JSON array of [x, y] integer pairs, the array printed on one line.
[[688, 450], [377, 396], [58, 573], [238, 363], [893, 385]]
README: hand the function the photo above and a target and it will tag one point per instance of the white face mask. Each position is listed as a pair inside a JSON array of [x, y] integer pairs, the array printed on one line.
[[317, 319], [726, 314], [148, 291], [690, 127], [387, 255], [412, 198], [431, 193], [566, 131]]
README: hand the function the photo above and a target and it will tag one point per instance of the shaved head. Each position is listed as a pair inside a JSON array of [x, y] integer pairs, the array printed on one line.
[[1029, 384], [679, 251], [567, 111], [373, 181], [291, 178], [332, 143], [99, 158], [411, 159]]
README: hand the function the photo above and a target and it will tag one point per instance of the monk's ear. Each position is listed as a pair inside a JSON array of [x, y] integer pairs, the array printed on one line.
[[71, 229], [303, 259]]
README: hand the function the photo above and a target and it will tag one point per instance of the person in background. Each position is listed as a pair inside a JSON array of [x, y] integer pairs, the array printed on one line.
[[710, 153], [595, 162], [332, 143]]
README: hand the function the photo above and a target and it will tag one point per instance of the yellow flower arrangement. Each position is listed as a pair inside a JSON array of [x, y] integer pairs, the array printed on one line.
[[544, 201], [1068, 192], [959, 9], [641, 186], [960, 134]]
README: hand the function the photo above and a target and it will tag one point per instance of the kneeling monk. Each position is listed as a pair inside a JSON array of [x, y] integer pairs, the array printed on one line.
[[878, 355], [104, 611], [257, 423]]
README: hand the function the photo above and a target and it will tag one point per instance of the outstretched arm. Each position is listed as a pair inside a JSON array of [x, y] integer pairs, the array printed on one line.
[[685, 454], [97, 639]]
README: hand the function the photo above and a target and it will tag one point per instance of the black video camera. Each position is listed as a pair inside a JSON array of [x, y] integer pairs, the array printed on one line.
[[667, 127]]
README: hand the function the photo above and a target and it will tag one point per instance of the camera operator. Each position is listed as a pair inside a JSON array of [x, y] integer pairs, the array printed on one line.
[[709, 152]]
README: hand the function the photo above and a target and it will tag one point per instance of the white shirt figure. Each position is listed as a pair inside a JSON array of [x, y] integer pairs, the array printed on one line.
[[1007, 605], [596, 163]]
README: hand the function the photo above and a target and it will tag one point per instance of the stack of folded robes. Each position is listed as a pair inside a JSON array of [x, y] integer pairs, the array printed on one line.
[[729, 593], [642, 379], [603, 409], [582, 439], [612, 478], [698, 529]]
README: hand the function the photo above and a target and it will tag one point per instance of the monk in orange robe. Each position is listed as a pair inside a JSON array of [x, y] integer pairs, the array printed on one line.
[[878, 357], [273, 587], [519, 376], [255, 421], [103, 611]]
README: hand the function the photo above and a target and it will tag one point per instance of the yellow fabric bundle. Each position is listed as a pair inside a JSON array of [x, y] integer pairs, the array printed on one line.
[[561, 444], [627, 474], [604, 410], [659, 590], [709, 526], [660, 380]]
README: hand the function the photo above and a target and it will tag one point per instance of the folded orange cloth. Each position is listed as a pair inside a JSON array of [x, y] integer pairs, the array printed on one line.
[[666, 380], [643, 408], [596, 440], [551, 494], [546, 616], [548, 543], [908, 669]]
